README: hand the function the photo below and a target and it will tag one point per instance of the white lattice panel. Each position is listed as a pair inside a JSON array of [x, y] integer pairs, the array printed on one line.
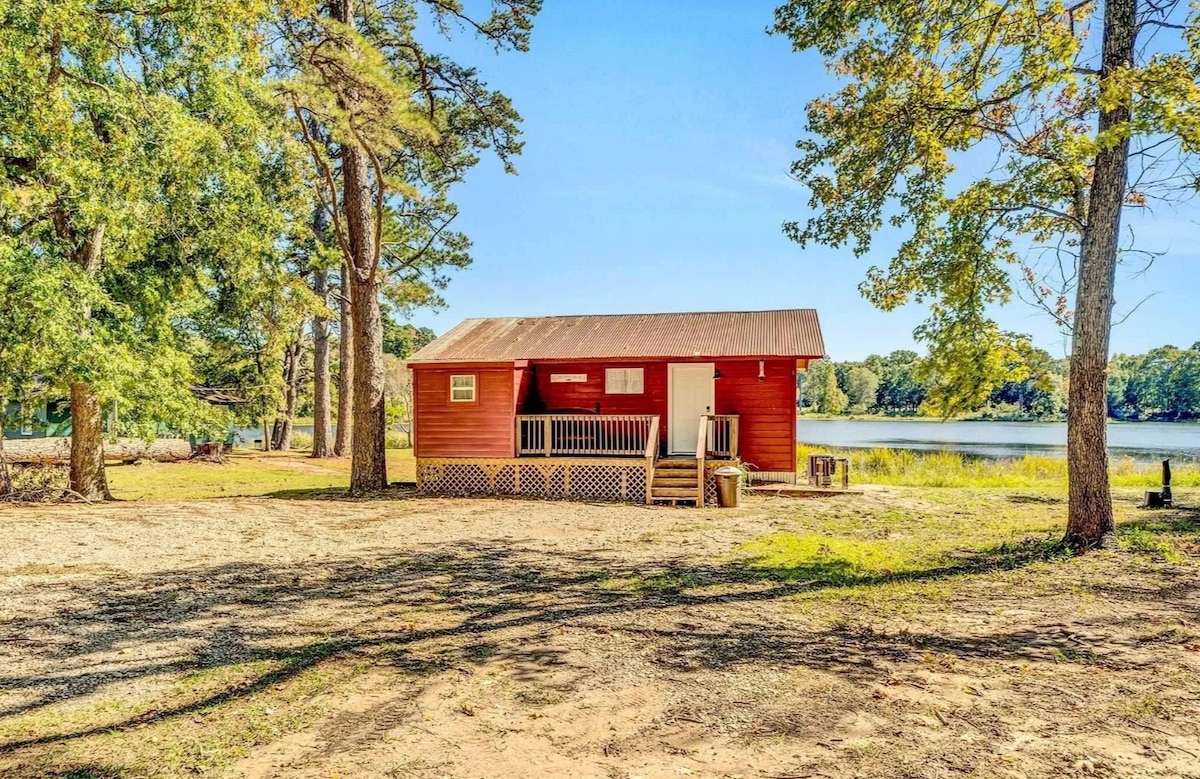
[[555, 478]]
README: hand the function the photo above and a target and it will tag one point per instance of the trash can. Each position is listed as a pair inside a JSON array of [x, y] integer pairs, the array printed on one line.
[[728, 479]]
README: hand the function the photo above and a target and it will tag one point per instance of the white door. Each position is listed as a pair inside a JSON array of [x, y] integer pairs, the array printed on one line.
[[690, 393]]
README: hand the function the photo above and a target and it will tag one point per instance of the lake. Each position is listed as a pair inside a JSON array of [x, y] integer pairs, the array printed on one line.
[[1146, 441]]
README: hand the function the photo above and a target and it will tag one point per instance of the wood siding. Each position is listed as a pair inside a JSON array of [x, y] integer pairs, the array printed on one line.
[[483, 428], [766, 410], [590, 394]]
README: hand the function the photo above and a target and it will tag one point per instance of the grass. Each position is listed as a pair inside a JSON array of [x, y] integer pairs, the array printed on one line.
[[923, 555], [245, 473], [906, 468], [902, 542]]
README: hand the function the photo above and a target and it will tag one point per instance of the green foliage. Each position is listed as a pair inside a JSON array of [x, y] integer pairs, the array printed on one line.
[[930, 90], [421, 118], [833, 400], [862, 387], [141, 158], [1162, 384], [401, 340]]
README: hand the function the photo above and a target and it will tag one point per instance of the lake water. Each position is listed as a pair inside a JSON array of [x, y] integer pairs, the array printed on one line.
[[1146, 441]]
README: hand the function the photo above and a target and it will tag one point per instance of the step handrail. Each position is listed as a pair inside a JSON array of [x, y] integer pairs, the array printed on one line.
[[701, 449], [651, 455]]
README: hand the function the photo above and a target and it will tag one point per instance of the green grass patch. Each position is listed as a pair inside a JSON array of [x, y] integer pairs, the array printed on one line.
[[907, 468], [1143, 540], [245, 473]]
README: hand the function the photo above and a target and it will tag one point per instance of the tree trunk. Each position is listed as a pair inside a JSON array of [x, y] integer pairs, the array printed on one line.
[[345, 417], [1090, 511], [87, 476], [368, 467], [56, 450], [281, 440], [281, 437], [322, 424], [5, 475], [276, 431]]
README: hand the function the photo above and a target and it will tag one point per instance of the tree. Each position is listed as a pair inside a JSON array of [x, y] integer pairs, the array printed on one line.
[[927, 86], [323, 443], [402, 340], [132, 144], [900, 390], [345, 416], [833, 400], [862, 386], [399, 385], [396, 125]]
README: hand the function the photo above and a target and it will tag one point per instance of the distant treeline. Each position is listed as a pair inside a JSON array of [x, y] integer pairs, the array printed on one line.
[[1163, 384]]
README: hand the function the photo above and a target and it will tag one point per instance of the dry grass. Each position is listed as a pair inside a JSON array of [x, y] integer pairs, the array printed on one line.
[[900, 633]]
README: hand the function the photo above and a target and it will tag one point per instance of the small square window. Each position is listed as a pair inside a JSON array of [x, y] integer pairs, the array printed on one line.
[[462, 389], [624, 381]]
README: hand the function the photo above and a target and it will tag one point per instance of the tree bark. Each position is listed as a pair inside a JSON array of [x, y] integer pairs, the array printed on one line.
[[5, 474], [1090, 511], [56, 450], [282, 435], [322, 423], [87, 477], [345, 417], [368, 467]]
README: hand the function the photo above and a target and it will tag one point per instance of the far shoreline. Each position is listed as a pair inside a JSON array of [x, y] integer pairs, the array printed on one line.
[[802, 417]]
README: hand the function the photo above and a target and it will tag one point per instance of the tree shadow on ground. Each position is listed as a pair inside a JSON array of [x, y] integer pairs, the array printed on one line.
[[393, 492], [437, 607]]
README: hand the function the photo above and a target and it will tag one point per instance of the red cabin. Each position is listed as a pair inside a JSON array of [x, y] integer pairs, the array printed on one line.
[[636, 407]]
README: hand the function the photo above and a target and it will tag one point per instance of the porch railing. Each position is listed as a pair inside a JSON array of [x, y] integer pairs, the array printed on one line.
[[721, 435], [569, 435]]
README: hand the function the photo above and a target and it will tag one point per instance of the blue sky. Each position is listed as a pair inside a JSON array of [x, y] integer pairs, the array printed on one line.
[[657, 137]]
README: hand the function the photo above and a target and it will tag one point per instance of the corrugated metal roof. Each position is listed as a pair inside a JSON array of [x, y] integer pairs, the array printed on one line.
[[786, 333]]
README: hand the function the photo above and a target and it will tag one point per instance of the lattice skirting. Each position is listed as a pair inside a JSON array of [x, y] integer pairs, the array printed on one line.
[[551, 477]]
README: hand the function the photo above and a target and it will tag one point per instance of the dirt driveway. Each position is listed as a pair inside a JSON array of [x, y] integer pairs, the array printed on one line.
[[459, 638]]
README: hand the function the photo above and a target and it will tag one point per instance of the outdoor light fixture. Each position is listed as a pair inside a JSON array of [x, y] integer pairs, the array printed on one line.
[[762, 376], [716, 373]]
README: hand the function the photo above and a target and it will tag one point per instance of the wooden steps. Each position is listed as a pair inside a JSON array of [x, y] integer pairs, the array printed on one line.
[[676, 481]]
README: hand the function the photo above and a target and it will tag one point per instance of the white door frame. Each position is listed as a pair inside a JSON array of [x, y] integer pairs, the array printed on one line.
[[681, 431]]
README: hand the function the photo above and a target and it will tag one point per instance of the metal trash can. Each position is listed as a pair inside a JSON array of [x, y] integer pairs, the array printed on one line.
[[728, 480]]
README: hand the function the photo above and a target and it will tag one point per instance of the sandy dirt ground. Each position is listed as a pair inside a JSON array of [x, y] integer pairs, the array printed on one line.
[[477, 638]]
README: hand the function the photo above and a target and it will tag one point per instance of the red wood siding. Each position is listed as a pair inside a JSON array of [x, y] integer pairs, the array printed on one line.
[[480, 429], [590, 393], [522, 382], [766, 410]]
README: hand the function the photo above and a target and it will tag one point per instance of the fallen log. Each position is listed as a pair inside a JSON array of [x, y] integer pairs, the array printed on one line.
[[57, 450]]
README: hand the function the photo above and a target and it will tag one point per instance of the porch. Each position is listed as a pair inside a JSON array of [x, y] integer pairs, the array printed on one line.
[[619, 435], [614, 457]]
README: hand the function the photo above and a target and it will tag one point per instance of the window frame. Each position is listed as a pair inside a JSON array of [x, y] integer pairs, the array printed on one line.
[[608, 381], [474, 387]]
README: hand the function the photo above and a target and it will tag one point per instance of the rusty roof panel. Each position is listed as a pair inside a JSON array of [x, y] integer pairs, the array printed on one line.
[[785, 333]]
